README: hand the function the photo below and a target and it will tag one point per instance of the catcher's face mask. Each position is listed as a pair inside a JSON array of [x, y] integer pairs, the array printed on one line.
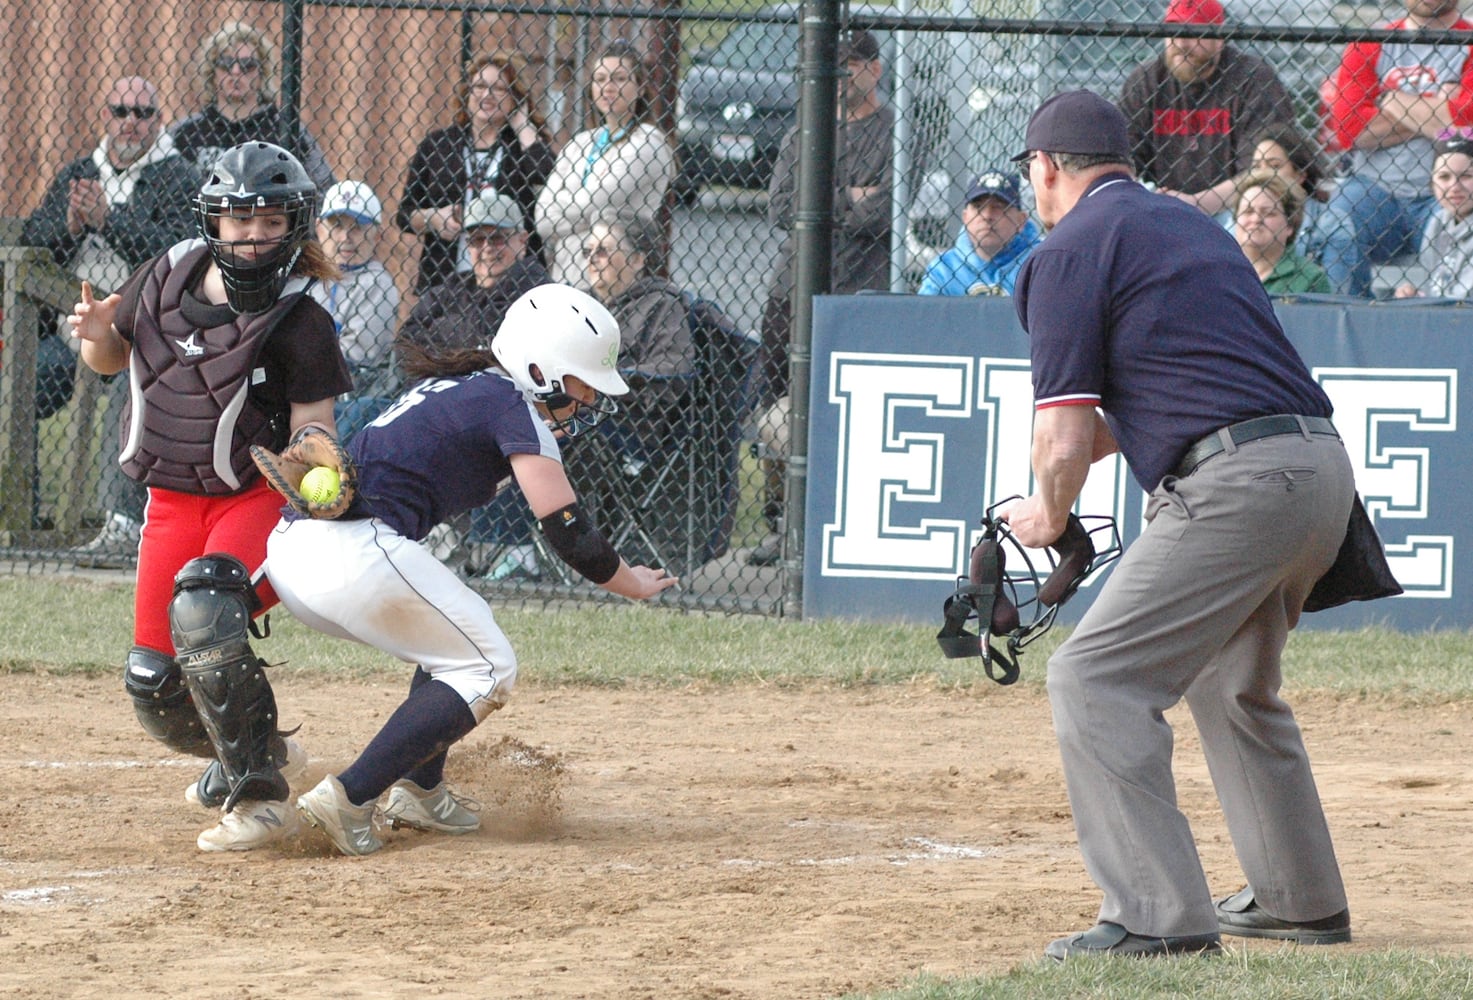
[[1020, 601]]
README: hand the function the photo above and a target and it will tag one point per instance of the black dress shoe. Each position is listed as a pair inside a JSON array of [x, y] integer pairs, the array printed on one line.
[[1105, 938], [1241, 915]]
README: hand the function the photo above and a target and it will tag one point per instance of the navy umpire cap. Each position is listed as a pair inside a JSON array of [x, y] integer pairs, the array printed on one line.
[[1077, 121]]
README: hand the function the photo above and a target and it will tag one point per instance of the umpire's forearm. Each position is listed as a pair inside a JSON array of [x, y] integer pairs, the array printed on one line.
[[1064, 441]]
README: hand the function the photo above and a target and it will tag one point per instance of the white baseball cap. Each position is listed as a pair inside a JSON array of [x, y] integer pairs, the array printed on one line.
[[492, 209], [352, 198]]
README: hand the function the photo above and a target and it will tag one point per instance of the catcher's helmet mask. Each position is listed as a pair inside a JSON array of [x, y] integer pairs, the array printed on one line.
[[249, 178], [1035, 587]]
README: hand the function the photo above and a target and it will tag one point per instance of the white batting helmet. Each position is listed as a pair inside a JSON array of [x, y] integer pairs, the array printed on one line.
[[563, 332]]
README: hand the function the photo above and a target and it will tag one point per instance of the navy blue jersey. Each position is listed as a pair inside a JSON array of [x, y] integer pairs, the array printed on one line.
[[442, 448], [1143, 305]]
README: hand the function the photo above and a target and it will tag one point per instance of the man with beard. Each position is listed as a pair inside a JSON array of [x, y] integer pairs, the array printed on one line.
[[1388, 103], [103, 216], [1193, 112]]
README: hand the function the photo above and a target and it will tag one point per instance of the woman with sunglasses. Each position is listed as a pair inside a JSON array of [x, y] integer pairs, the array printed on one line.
[[497, 144], [238, 76]]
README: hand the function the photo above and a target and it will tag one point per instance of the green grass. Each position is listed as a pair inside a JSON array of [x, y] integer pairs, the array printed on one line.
[[1241, 974], [77, 626], [83, 626]]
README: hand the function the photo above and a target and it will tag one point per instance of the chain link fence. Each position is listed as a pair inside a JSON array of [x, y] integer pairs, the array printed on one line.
[[467, 151]]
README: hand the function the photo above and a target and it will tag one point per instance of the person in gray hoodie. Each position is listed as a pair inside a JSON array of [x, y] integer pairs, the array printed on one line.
[[1447, 239], [103, 216]]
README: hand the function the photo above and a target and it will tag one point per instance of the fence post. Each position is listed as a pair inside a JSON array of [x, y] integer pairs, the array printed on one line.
[[292, 18], [18, 394], [813, 233], [32, 281]]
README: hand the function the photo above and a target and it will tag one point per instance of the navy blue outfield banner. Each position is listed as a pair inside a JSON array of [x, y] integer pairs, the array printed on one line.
[[921, 416]]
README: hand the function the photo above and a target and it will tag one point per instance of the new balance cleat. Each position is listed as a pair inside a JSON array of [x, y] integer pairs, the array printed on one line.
[[248, 826], [439, 810], [349, 827]]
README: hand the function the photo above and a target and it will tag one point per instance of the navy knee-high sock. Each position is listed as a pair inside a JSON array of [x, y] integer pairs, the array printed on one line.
[[430, 772], [429, 720]]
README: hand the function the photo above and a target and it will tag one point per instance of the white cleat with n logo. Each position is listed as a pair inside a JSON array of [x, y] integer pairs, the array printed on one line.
[[248, 826], [349, 827], [438, 809]]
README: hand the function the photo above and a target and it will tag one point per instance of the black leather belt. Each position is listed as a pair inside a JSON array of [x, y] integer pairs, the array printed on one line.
[[1251, 430]]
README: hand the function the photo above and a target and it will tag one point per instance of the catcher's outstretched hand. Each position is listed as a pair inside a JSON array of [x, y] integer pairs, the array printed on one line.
[[92, 318], [310, 447]]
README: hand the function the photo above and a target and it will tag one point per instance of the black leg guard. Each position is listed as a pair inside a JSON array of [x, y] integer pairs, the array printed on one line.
[[165, 710], [213, 788], [210, 620]]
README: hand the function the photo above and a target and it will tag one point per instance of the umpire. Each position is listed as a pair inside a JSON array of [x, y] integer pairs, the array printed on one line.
[[1151, 335]]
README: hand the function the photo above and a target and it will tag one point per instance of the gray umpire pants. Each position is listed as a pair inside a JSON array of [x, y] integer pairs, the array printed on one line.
[[1201, 606]]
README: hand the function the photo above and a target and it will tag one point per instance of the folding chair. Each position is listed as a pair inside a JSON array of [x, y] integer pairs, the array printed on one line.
[[672, 502]]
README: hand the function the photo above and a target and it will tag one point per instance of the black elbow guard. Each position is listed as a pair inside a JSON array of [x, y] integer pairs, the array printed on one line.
[[574, 538]]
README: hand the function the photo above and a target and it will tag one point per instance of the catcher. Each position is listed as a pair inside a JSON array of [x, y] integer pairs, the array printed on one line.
[[474, 420], [224, 349]]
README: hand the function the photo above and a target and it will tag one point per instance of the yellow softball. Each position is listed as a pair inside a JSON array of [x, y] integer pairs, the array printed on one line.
[[320, 485]]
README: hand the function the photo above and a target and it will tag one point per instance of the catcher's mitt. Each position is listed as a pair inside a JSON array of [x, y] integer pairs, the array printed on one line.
[[310, 447]]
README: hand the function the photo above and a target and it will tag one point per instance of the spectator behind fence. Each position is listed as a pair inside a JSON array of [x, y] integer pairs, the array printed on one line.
[[104, 215], [1447, 243], [464, 313], [996, 238], [655, 354], [465, 310], [498, 144], [363, 302], [1267, 214], [1283, 149], [1193, 111], [673, 484], [238, 76], [861, 254], [1387, 104], [622, 164]]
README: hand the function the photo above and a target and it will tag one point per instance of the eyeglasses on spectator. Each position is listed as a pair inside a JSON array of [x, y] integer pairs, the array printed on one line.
[[246, 64]]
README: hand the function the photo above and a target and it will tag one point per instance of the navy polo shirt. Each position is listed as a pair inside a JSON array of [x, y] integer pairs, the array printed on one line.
[[1146, 307]]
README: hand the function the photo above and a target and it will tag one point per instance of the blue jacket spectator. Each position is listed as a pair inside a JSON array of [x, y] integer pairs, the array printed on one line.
[[996, 238]]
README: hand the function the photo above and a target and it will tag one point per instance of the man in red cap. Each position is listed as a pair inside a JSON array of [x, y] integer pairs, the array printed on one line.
[[1193, 112]]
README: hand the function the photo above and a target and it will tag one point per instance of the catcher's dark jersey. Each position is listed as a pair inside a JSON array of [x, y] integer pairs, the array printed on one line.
[[442, 448], [206, 383], [1119, 316]]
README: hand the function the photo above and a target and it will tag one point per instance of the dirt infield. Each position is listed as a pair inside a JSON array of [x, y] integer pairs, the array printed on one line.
[[750, 842]]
